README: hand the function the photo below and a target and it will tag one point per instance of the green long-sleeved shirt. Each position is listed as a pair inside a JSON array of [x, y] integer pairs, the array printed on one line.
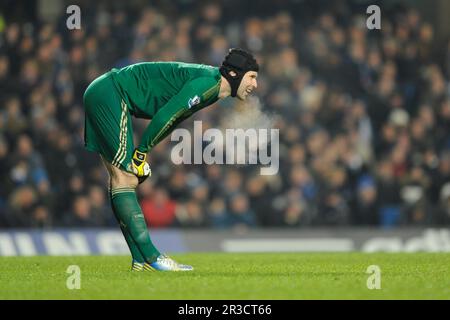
[[167, 93]]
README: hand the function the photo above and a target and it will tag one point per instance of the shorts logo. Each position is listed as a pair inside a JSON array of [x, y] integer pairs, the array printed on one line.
[[193, 101]]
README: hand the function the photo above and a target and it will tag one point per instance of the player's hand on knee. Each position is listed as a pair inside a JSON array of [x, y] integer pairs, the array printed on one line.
[[140, 166]]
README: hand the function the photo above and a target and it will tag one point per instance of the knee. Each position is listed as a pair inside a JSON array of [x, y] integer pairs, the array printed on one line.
[[123, 179], [120, 178]]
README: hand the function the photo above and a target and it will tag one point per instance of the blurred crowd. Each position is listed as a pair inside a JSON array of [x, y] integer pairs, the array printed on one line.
[[364, 116]]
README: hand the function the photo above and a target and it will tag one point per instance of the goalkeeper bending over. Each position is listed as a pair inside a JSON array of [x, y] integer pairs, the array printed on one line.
[[167, 93]]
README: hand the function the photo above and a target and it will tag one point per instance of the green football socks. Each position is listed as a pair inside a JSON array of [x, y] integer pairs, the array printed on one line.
[[132, 223]]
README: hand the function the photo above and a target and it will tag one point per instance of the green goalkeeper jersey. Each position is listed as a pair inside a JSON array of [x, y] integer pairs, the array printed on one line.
[[167, 93]]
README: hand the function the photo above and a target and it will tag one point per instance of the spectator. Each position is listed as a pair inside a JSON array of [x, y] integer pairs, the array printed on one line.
[[81, 214], [191, 215], [22, 205], [443, 210], [159, 210], [240, 212], [100, 208], [218, 214], [366, 208]]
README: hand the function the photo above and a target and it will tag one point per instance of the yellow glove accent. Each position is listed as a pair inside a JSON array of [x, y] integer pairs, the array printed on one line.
[[140, 167]]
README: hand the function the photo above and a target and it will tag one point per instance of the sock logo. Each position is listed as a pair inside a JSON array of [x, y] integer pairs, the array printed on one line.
[[193, 101]]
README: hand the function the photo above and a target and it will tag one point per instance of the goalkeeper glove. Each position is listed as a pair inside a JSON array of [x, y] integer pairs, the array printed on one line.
[[141, 168]]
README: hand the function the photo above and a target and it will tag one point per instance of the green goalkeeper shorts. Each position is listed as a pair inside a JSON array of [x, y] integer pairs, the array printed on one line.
[[108, 127]]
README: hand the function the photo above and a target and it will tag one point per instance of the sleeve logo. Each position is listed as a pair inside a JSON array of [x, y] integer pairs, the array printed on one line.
[[193, 101]]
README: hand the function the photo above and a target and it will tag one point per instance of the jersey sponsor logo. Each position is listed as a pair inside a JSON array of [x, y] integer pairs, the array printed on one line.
[[193, 101]]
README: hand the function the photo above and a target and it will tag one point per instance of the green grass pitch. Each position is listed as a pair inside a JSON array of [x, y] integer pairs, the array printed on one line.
[[232, 276]]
